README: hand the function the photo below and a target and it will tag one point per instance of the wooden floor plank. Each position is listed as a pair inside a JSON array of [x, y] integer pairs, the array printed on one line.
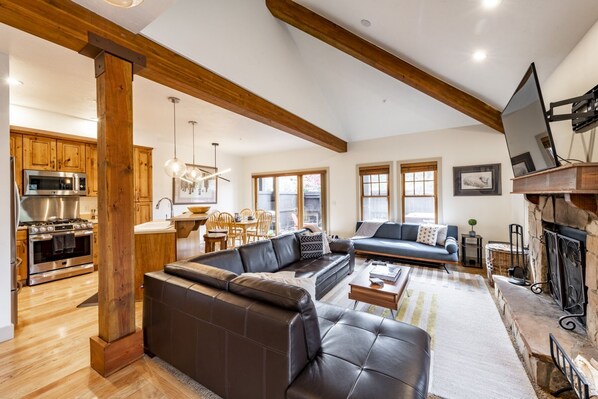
[[49, 356]]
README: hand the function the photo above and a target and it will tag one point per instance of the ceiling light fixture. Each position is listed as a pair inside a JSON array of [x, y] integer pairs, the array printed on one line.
[[13, 82], [193, 173], [174, 167], [217, 174], [366, 23], [479, 56], [489, 4], [124, 3]]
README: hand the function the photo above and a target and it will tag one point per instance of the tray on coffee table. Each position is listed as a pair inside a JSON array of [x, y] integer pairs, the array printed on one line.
[[387, 296]]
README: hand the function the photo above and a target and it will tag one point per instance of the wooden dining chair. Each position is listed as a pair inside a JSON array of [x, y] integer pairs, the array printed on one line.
[[246, 212], [262, 229], [227, 221]]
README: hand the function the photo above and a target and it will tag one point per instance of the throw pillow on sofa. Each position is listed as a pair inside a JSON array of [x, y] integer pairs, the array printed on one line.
[[308, 284], [442, 234], [428, 234], [314, 228], [312, 245]]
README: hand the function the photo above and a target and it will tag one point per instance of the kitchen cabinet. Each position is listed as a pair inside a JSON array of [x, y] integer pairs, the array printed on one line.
[[16, 151], [95, 247], [142, 165], [46, 153], [143, 212], [70, 156], [91, 169], [22, 250], [39, 153]]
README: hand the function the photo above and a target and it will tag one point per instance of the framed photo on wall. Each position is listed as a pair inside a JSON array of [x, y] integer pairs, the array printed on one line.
[[477, 180], [203, 192]]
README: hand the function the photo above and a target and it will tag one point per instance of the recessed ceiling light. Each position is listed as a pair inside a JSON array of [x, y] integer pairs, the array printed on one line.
[[479, 56], [13, 82], [124, 3], [491, 3], [366, 23]]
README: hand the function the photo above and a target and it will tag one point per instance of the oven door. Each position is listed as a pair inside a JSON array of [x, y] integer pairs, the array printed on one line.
[[54, 251]]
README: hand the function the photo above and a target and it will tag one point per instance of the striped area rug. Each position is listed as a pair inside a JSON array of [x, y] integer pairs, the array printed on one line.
[[472, 354]]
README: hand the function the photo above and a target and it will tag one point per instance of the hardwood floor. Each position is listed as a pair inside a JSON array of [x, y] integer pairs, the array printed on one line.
[[49, 356]]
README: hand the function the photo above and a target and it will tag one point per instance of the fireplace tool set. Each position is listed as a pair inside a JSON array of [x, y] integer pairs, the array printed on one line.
[[518, 271]]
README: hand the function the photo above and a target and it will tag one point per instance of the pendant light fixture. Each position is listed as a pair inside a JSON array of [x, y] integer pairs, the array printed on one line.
[[124, 3], [174, 167], [217, 174], [193, 173]]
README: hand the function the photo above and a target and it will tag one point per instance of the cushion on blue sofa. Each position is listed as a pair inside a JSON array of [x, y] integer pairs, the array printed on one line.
[[410, 249], [451, 245], [409, 231]]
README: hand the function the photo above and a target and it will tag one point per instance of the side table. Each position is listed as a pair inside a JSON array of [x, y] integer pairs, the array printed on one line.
[[471, 250]]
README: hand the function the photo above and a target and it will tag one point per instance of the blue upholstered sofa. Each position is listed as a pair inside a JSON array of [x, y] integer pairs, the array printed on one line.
[[398, 240]]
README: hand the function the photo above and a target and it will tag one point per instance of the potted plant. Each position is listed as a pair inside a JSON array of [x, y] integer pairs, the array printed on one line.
[[472, 222]]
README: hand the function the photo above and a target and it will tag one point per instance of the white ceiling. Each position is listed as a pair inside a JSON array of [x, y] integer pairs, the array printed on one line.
[[240, 40]]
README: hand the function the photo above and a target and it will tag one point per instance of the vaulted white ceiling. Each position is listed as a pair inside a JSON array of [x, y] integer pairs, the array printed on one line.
[[240, 40]]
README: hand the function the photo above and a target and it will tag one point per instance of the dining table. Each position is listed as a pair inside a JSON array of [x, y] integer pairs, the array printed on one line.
[[244, 224]]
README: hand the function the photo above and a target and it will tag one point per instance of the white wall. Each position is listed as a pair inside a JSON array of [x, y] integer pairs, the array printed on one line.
[[6, 327], [46, 120], [456, 147], [576, 74]]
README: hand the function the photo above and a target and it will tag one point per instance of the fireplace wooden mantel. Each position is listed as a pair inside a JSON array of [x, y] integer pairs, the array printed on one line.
[[578, 183]]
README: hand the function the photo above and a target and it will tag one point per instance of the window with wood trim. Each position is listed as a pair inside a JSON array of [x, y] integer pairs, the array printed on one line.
[[293, 198], [419, 192], [374, 185]]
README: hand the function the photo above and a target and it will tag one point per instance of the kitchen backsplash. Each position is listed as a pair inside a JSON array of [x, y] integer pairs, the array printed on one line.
[[86, 204]]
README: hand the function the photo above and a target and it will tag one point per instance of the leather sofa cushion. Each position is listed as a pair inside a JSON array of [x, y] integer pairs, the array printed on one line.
[[284, 296], [259, 257], [229, 259], [208, 275], [287, 249], [320, 268], [367, 357]]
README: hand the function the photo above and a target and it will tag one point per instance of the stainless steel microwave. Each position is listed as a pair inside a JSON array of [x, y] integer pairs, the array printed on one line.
[[42, 182]]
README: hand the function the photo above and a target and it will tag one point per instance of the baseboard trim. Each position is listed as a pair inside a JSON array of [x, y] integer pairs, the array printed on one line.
[[7, 332]]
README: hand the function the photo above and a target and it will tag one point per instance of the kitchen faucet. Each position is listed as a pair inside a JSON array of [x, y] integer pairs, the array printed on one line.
[[171, 207]]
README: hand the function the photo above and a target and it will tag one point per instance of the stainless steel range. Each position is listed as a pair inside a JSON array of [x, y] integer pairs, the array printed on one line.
[[60, 244], [59, 249]]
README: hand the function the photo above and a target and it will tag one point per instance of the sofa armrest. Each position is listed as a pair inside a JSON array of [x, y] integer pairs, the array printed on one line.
[[451, 245], [344, 246]]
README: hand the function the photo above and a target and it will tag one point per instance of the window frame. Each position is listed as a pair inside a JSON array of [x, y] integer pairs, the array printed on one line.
[[414, 167], [300, 205], [373, 170]]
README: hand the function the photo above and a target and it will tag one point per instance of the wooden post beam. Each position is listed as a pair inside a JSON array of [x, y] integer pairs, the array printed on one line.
[[321, 28], [118, 343], [68, 24]]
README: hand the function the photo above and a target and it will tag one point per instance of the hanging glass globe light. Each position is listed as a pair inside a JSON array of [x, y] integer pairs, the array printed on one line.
[[174, 167], [193, 173]]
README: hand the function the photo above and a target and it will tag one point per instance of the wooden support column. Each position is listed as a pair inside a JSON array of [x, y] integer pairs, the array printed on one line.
[[119, 342]]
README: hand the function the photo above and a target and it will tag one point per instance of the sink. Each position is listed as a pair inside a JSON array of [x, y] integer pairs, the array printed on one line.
[[155, 226]]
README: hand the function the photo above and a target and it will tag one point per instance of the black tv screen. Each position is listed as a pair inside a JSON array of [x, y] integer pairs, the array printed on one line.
[[527, 131]]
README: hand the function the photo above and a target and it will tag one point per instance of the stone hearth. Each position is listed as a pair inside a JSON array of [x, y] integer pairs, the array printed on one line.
[[532, 317]]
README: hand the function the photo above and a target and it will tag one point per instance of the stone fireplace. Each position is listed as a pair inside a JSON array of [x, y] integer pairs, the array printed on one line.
[[556, 215]]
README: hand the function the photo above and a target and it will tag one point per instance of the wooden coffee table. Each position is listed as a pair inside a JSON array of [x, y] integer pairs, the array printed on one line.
[[388, 296]]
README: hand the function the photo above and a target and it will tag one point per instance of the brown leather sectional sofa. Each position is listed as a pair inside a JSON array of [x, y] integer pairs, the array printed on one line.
[[283, 253], [243, 337]]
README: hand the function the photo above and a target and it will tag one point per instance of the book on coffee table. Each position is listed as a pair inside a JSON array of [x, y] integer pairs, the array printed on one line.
[[385, 272]]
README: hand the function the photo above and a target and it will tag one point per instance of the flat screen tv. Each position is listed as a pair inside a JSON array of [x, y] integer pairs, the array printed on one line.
[[527, 130]]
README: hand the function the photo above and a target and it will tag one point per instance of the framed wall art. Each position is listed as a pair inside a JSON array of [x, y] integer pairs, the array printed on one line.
[[477, 180], [203, 192]]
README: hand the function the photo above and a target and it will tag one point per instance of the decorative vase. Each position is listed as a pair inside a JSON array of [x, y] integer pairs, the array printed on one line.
[[472, 233]]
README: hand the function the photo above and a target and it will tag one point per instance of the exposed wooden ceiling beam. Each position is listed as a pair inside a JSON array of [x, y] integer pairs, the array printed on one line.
[[67, 24], [321, 28]]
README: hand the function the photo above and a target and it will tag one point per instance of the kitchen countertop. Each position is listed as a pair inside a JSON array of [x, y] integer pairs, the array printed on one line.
[[155, 227], [188, 216]]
